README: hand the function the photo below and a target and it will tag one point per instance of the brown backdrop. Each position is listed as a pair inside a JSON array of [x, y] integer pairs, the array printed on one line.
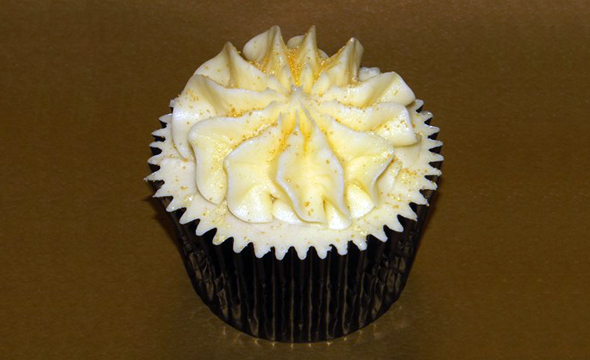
[[88, 269]]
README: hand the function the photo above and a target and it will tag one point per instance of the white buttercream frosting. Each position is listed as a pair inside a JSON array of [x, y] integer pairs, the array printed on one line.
[[286, 147]]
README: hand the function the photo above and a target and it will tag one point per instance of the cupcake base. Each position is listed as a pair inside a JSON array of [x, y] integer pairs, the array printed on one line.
[[293, 300]]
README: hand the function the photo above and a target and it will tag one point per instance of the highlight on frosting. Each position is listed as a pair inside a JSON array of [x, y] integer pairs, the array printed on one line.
[[284, 146]]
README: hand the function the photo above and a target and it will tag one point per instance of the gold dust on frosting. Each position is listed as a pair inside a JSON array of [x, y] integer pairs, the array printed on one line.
[[291, 104]]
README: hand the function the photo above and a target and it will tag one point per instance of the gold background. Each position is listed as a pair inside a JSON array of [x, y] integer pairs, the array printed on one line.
[[88, 268]]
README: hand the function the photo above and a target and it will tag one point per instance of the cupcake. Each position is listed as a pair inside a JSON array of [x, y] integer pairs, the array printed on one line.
[[298, 184]]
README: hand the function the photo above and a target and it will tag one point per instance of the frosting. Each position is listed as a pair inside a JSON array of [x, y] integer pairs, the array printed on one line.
[[285, 146]]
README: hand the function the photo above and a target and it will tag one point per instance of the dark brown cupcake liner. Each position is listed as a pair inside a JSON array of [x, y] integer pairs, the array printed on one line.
[[294, 300]]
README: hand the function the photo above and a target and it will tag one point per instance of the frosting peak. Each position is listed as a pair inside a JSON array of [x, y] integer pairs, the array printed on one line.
[[286, 134]]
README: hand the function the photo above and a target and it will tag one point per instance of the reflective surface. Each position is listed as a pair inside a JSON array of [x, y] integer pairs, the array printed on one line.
[[88, 266]]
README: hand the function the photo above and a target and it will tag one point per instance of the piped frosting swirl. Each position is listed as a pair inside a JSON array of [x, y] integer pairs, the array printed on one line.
[[286, 141]]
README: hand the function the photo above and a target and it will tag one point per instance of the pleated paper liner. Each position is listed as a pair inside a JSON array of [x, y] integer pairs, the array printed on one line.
[[294, 300]]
